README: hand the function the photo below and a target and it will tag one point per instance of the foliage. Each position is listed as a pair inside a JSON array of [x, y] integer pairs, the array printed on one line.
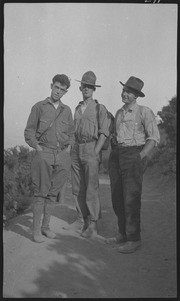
[[165, 156], [17, 180], [168, 114]]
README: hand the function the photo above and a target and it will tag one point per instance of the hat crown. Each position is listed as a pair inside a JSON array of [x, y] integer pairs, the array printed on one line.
[[134, 83], [89, 77]]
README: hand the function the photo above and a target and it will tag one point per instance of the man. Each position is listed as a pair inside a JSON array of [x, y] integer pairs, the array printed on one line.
[[50, 131], [90, 136], [136, 134]]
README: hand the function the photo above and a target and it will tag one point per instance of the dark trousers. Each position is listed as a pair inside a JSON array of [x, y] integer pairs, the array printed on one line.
[[126, 175]]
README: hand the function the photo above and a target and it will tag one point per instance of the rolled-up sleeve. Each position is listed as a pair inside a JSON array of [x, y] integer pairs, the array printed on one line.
[[104, 121], [31, 127], [150, 125]]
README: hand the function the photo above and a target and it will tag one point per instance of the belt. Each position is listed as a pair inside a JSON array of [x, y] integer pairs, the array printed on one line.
[[129, 146], [60, 148], [84, 140]]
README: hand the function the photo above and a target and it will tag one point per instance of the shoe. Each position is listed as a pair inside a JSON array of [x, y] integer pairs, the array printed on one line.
[[119, 239], [129, 247], [38, 238], [90, 231], [48, 233], [75, 226]]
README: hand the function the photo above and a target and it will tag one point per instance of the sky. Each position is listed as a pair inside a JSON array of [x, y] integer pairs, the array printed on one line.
[[114, 40]]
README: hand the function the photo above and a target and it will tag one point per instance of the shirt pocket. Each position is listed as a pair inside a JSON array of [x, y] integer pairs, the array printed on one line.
[[63, 126], [89, 128], [43, 125], [139, 127]]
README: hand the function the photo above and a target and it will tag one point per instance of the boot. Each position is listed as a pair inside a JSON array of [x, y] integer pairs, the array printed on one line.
[[76, 225], [45, 230], [91, 230], [37, 213]]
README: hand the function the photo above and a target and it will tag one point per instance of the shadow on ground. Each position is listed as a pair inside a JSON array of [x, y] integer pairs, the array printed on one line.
[[72, 267]]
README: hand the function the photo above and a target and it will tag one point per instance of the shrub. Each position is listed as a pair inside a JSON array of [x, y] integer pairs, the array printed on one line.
[[17, 180]]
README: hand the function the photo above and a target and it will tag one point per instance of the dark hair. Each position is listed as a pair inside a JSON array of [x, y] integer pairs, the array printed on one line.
[[63, 79]]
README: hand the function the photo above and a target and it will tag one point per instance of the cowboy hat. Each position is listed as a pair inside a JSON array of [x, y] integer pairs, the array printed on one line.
[[89, 78], [135, 84]]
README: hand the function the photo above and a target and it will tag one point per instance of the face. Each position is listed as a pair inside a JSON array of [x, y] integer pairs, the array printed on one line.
[[58, 90], [87, 91], [128, 96]]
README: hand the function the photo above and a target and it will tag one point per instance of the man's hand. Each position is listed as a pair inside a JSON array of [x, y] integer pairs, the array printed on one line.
[[147, 148]]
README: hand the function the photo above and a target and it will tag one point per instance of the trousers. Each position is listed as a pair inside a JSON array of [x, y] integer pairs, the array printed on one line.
[[126, 176], [85, 179], [49, 172]]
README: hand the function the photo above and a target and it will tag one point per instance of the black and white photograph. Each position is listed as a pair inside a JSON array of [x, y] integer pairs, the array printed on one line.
[[89, 163]]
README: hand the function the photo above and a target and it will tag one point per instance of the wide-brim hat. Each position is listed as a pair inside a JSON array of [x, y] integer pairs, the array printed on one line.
[[135, 84], [89, 78]]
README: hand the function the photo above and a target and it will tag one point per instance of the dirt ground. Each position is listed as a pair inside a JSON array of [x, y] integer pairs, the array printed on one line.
[[74, 267]]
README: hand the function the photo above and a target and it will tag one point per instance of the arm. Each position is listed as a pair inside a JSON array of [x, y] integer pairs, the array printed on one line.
[[150, 144], [71, 132], [151, 131], [103, 128], [100, 143], [31, 128]]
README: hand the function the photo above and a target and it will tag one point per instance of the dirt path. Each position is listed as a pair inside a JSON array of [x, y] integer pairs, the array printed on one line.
[[73, 267]]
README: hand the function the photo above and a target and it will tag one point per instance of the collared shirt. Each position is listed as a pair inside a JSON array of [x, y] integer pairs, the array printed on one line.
[[136, 126], [86, 123], [60, 134]]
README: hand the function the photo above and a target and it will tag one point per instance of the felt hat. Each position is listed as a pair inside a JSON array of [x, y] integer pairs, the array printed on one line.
[[89, 78], [135, 84]]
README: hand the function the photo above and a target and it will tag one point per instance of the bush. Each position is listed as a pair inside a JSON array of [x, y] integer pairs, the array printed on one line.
[[165, 156], [17, 180]]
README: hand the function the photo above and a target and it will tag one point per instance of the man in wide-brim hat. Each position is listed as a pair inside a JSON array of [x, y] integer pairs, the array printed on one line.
[[135, 135], [90, 135]]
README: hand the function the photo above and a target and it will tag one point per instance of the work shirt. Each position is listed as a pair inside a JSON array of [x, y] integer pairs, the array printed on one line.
[[61, 132], [88, 125], [135, 126]]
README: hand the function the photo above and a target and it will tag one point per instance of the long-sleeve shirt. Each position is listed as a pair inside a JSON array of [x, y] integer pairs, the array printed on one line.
[[136, 126], [90, 124], [60, 134]]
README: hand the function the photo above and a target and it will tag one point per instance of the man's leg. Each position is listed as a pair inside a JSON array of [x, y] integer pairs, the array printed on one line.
[[132, 176], [59, 176], [117, 197], [79, 191], [41, 177], [91, 167], [48, 209], [38, 208]]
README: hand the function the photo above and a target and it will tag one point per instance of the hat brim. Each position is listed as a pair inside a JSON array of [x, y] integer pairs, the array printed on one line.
[[140, 94], [83, 82]]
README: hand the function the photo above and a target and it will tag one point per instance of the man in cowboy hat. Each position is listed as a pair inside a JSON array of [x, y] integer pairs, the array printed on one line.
[[136, 134], [90, 135]]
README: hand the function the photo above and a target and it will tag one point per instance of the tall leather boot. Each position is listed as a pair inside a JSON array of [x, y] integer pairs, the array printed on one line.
[[38, 208], [45, 230]]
